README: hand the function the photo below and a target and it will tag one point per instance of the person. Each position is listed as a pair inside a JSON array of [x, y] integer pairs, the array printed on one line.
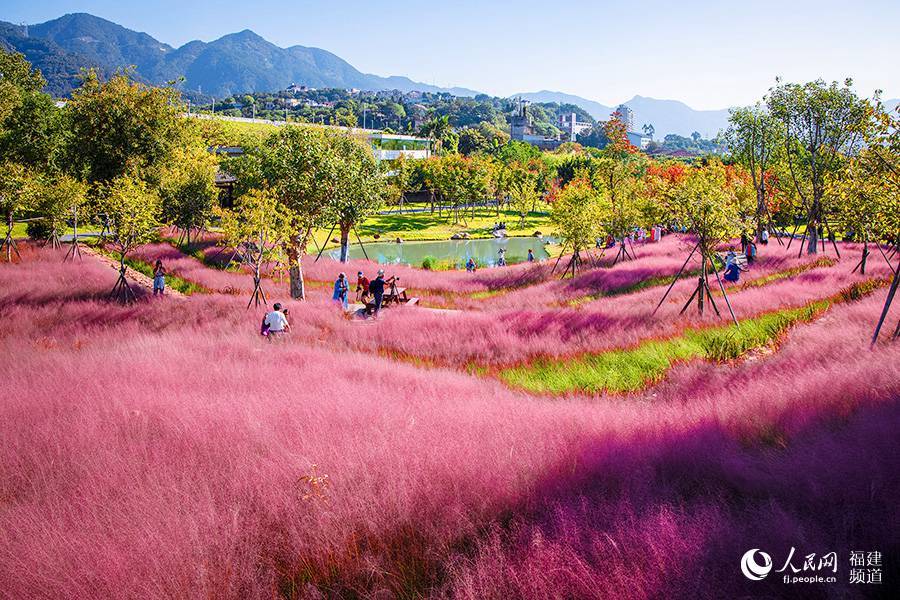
[[276, 323], [530, 255], [362, 287], [159, 278], [376, 287], [764, 237], [470, 265], [751, 252], [341, 290], [730, 259], [732, 272], [501, 261]]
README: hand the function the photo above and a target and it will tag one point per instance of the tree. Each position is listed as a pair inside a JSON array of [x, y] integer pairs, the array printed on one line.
[[302, 170], [755, 141], [400, 178], [17, 77], [523, 191], [823, 125], [441, 133], [577, 214], [360, 189], [867, 208], [188, 190], [471, 141], [707, 205], [459, 180], [33, 132], [649, 129], [15, 187], [257, 227], [57, 199], [133, 208], [120, 126], [696, 137]]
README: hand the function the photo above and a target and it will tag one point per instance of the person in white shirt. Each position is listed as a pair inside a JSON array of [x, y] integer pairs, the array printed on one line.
[[276, 322]]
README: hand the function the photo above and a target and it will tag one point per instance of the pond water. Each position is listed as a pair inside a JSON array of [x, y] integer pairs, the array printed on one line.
[[484, 251]]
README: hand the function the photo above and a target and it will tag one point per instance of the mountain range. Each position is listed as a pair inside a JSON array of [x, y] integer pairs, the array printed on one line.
[[246, 62], [238, 62]]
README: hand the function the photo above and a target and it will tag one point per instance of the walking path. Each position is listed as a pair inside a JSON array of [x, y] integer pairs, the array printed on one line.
[[133, 276]]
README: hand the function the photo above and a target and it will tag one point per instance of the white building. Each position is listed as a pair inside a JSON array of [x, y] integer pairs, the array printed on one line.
[[626, 116], [391, 146], [572, 126], [638, 139]]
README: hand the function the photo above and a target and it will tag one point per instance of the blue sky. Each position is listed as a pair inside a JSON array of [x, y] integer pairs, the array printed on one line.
[[707, 54]]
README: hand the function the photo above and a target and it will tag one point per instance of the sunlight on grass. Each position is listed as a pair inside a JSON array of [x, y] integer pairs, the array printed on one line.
[[634, 368]]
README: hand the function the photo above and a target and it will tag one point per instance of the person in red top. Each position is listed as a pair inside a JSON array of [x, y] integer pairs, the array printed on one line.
[[362, 287]]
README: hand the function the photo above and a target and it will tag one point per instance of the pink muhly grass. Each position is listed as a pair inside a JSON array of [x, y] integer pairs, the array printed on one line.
[[164, 449]]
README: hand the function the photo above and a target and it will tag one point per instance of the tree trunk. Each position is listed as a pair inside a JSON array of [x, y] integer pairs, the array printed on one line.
[[761, 213], [812, 236], [8, 240], [345, 241], [295, 250]]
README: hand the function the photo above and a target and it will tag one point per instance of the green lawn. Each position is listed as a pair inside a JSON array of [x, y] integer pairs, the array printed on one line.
[[430, 226], [634, 368]]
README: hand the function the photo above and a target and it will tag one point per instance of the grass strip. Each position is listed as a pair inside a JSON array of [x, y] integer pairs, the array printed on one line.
[[173, 281], [632, 369]]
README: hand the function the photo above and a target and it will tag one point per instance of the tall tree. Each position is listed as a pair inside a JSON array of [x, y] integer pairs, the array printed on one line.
[[523, 190], [15, 186], [122, 125], [17, 77], [188, 189], [57, 199], [440, 132], [360, 190], [256, 227], [303, 171], [706, 203], [755, 140], [577, 214], [823, 125], [133, 208]]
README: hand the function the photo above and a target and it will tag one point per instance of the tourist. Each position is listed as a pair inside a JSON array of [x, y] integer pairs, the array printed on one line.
[[376, 288], [764, 237], [751, 252], [530, 255], [501, 260], [470, 265], [159, 278], [341, 290], [362, 287], [276, 323], [732, 272], [730, 258]]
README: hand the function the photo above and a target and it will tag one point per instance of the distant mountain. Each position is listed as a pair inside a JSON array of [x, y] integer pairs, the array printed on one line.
[[595, 109], [238, 62], [672, 116], [666, 116]]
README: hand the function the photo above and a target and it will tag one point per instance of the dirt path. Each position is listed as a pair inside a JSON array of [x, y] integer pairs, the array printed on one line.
[[133, 276]]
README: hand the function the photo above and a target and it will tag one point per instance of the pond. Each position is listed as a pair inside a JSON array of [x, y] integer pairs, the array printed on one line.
[[484, 251]]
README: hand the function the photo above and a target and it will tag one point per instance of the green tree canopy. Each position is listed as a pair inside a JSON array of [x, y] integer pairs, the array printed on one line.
[[823, 126], [121, 125]]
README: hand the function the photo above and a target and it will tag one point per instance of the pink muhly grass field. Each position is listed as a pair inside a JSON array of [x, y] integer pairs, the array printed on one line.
[[165, 449]]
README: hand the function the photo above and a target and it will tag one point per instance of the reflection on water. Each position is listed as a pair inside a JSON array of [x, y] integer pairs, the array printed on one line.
[[484, 251]]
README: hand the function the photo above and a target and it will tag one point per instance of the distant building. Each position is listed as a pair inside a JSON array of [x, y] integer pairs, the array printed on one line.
[[391, 146], [626, 116], [521, 129], [571, 126], [638, 140]]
